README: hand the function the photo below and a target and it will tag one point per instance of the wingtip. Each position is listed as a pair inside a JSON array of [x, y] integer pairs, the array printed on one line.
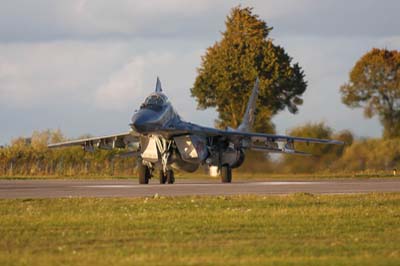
[[338, 142], [257, 84]]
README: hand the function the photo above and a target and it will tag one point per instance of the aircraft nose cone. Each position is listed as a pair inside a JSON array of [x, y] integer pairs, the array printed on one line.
[[143, 120], [138, 122]]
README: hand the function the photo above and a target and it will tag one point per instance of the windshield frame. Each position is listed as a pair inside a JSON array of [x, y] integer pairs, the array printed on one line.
[[154, 101]]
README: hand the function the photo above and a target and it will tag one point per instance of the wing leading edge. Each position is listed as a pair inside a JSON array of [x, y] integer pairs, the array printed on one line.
[[189, 128], [250, 140], [121, 140]]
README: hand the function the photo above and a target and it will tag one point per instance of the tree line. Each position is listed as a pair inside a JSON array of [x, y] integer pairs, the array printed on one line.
[[224, 81], [31, 157]]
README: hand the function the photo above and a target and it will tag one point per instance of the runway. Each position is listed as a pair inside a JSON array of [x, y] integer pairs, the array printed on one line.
[[130, 188]]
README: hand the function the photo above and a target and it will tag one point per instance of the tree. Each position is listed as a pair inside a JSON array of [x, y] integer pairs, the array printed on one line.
[[371, 154], [230, 67], [300, 164], [323, 156], [375, 86], [40, 139], [56, 136]]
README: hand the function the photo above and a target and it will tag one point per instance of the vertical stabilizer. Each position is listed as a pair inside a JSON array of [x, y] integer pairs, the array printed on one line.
[[158, 85], [249, 115]]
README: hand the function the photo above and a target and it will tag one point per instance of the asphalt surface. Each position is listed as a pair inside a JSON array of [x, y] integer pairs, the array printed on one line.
[[130, 188]]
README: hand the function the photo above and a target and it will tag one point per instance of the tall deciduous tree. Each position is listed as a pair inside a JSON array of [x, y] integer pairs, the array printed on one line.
[[374, 85], [230, 67]]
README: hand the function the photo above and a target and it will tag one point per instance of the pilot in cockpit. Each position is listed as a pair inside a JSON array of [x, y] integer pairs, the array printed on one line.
[[154, 101]]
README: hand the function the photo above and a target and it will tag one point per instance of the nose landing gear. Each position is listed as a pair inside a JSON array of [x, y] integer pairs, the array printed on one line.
[[167, 177], [146, 168], [163, 177], [170, 177]]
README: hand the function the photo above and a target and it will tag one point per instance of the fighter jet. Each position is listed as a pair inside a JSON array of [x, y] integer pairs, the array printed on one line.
[[163, 142]]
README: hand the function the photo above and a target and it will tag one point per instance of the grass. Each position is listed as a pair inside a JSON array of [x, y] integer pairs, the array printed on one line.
[[300, 229]]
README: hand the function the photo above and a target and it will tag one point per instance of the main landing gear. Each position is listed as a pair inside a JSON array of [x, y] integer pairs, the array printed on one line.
[[144, 174], [226, 174]]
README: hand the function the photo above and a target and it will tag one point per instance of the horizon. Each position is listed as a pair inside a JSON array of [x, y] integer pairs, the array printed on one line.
[[75, 68]]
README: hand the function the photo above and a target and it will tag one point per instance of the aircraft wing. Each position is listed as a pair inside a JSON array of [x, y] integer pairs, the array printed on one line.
[[250, 140], [277, 143], [121, 140], [279, 138], [189, 128]]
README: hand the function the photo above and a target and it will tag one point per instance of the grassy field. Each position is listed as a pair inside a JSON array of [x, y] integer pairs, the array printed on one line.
[[300, 229]]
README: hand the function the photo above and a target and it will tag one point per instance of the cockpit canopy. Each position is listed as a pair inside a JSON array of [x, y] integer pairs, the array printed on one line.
[[155, 101]]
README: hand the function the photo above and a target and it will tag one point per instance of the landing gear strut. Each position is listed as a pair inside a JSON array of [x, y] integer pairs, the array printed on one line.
[[166, 175], [226, 174]]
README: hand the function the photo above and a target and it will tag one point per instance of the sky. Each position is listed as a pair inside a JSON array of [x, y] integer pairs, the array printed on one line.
[[84, 66]]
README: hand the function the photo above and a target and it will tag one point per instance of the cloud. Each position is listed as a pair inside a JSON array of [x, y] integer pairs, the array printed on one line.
[[107, 75], [48, 20], [127, 83], [124, 83], [331, 17], [44, 73], [64, 63]]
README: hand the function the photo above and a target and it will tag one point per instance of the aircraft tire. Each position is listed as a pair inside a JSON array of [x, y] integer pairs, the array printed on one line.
[[226, 174], [170, 177], [144, 174], [163, 177]]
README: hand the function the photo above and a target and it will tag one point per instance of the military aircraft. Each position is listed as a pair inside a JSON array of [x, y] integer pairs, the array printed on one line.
[[163, 141]]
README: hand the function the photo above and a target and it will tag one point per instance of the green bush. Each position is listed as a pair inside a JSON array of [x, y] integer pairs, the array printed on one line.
[[322, 156], [31, 157], [371, 154]]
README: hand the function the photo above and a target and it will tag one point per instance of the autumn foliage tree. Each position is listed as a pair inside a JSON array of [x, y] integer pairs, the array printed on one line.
[[230, 67], [374, 85]]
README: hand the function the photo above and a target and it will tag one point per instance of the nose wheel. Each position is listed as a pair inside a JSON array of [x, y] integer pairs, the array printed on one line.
[[163, 177], [170, 177]]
